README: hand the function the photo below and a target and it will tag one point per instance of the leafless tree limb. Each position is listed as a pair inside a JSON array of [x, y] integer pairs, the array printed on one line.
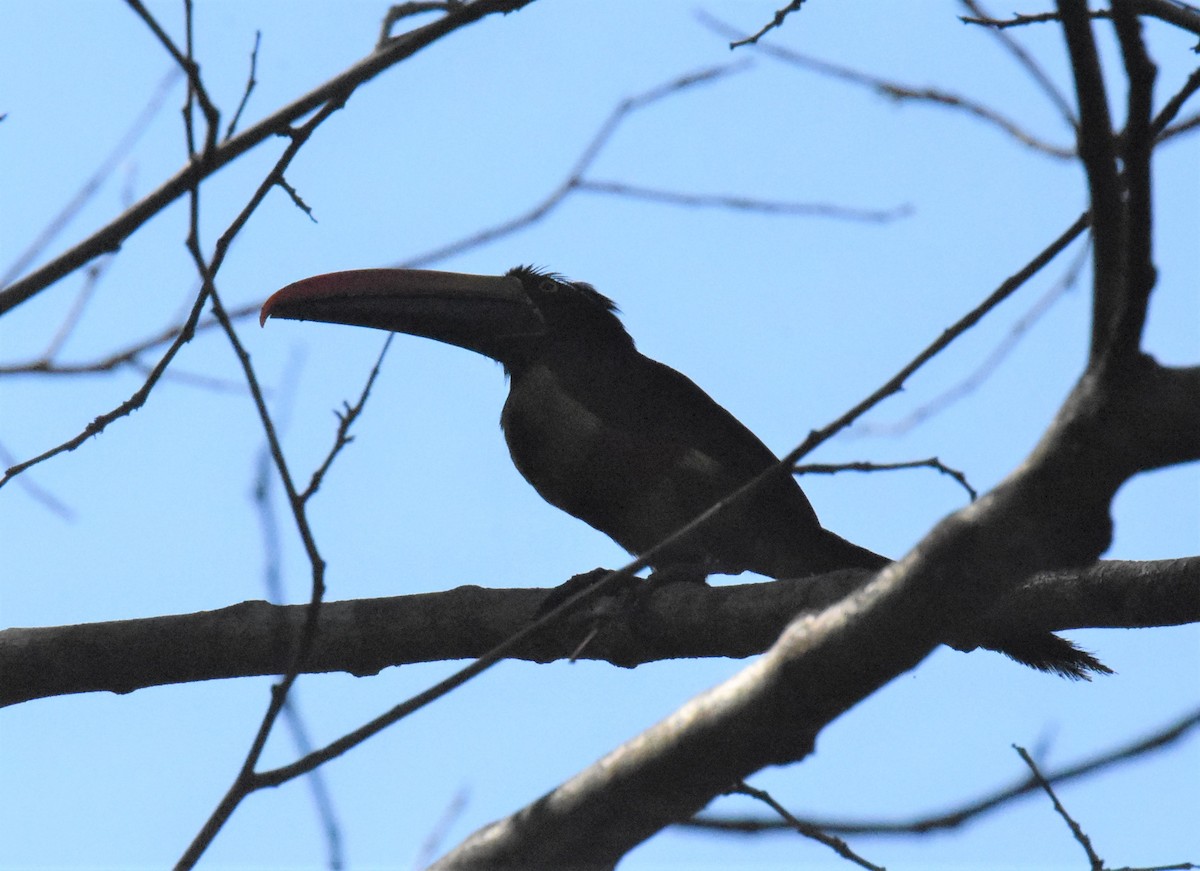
[[1157, 739], [1181, 15], [1125, 415], [775, 22], [128, 140], [1027, 63], [744, 204], [989, 365], [292, 714], [251, 81], [931, 463], [1084, 841], [899, 91], [678, 621], [806, 829], [244, 783], [110, 237]]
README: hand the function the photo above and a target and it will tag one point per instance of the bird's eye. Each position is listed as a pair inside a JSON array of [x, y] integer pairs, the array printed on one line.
[[548, 285]]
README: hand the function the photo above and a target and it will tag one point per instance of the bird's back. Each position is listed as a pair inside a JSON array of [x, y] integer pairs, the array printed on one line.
[[637, 450]]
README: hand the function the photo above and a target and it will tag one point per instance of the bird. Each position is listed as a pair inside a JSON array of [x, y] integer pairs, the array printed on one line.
[[625, 443]]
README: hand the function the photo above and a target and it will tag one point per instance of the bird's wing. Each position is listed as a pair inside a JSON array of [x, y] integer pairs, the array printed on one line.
[[653, 402]]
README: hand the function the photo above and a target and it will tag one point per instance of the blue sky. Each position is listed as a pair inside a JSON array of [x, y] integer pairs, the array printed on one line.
[[785, 320]]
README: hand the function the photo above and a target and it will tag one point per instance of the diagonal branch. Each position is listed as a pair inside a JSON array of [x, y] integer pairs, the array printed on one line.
[[1159, 739], [899, 91], [110, 237]]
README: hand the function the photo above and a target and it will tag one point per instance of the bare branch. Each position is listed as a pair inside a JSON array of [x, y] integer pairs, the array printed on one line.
[[139, 125], [1157, 739], [1137, 143], [346, 420], [745, 204], [775, 22], [362, 637], [1027, 63], [110, 237], [244, 783], [251, 81], [1179, 14], [899, 91], [931, 463], [45, 498], [127, 356], [190, 68], [584, 162], [1084, 841], [293, 718], [1098, 154], [989, 365], [809, 831]]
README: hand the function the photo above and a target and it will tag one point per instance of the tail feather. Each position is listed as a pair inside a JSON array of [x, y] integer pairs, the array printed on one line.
[[837, 553], [1043, 651], [1052, 653]]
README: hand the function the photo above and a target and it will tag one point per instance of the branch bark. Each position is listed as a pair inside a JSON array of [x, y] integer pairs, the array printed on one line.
[[680, 621]]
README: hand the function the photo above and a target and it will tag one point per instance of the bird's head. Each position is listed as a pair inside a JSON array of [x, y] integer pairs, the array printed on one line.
[[510, 318]]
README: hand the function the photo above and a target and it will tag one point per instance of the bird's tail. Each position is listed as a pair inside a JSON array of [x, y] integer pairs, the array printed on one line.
[[1048, 652], [1043, 651], [837, 553]]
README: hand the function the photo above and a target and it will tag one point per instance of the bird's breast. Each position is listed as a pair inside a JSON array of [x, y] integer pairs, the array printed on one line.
[[612, 472], [552, 435]]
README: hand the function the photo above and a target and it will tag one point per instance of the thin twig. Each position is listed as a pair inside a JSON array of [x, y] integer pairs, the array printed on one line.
[[1084, 841], [293, 718], [1181, 15], [346, 419], [931, 463], [110, 237], [127, 356], [575, 176], [139, 125], [990, 364], [806, 829], [1159, 739], [899, 91], [1031, 66], [189, 67], [776, 21], [245, 781], [745, 204], [251, 81], [47, 499]]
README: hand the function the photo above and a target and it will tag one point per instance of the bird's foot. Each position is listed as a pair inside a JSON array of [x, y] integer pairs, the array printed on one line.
[[577, 584], [678, 573], [631, 595]]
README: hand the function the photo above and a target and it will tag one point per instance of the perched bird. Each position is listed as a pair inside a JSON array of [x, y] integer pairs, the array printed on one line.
[[624, 443]]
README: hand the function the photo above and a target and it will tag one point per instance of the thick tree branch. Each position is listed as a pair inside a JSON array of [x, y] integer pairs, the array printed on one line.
[[679, 621], [1098, 154], [1052, 512]]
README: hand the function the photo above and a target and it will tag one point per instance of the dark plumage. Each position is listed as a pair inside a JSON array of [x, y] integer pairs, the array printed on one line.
[[637, 450], [624, 443]]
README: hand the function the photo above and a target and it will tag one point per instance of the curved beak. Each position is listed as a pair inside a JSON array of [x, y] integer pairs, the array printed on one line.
[[477, 312]]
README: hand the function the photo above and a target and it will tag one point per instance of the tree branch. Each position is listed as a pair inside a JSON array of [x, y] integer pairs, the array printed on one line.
[[681, 621], [967, 811], [111, 237]]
